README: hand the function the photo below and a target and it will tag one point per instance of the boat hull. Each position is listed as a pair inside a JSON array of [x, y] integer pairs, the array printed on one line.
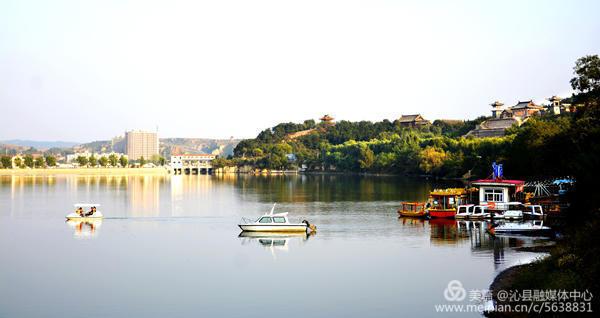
[[421, 214], [76, 217], [85, 218], [446, 214], [273, 228]]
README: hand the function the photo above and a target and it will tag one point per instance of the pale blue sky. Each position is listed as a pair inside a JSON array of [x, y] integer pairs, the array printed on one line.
[[88, 70]]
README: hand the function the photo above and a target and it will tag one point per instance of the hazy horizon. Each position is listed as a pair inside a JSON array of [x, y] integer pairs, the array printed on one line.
[[88, 71]]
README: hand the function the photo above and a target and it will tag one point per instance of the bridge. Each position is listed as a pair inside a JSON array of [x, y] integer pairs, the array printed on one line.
[[192, 164]]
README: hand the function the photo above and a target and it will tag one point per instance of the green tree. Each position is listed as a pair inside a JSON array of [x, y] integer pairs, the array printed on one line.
[[50, 161], [6, 162], [18, 162], [219, 163], [103, 161], [142, 161], [123, 161], [257, 152], [158, 160], [28, 161], [587, 70], [366, 157], [39, 162], [431, 159], [277, 157], [113, 159], [93, 161], [82, 161]]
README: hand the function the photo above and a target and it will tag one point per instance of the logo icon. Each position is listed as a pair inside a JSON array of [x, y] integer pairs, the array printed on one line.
[[455, 291]]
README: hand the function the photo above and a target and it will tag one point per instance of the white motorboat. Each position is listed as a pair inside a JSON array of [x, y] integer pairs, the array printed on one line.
[[533, 212], [525, 228], [514, 211], [464, 211], [85, 211], [275, 222]]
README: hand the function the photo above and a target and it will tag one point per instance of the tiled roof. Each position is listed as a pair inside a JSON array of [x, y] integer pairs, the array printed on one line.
[[525, 104], [410, 118], [498, 181]]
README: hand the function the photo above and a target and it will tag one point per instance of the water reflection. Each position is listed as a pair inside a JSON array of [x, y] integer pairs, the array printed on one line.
[[447, 231], [85, 229], [330, 188], [453, 232], [274, 242], [412, 222]]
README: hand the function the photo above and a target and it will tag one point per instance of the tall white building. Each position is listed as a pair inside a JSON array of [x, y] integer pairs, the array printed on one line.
[[141, 144]]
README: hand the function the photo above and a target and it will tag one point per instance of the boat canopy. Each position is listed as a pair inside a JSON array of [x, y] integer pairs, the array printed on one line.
[[448, 192], [86, 205], [563, 181]]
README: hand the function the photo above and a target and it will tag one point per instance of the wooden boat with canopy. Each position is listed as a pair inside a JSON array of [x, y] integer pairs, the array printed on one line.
[[443, 202], [413, 209]]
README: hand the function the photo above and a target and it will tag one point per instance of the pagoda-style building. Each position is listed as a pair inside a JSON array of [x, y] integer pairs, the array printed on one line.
[[497, 108], [557, 107], [504, 118], [524, 109], [415, 120], [327, 120]]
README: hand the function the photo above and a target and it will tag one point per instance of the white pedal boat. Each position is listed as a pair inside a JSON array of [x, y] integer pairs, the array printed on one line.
[[274, 222], [86, 209]]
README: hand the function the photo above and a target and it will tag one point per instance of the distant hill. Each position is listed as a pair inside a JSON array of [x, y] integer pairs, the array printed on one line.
[[221, 147], [8, 149], [168, 146], [39, 144]]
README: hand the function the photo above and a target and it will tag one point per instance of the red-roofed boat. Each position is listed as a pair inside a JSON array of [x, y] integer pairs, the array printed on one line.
[[443, 202]]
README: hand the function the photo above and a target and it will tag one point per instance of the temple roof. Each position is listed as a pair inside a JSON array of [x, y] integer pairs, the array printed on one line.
[[326, 118], [410, 118], [496, 103], [498, 182], [526, 104], [554, 98]]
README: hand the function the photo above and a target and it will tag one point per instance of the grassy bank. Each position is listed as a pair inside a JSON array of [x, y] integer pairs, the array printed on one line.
[[83, 171], [573, 264]]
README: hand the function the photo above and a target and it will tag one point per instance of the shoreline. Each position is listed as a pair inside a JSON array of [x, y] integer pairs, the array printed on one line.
[[84, 171], [505, 281], [165, 171]]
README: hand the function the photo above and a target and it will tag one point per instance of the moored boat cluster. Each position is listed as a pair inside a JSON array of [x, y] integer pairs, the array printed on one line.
[[495, 199]]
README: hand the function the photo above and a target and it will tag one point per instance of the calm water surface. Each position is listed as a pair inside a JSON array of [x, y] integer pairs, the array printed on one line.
[[170, 247]]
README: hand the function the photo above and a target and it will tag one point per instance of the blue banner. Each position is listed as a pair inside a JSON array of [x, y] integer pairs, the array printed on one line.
[[498, 170]]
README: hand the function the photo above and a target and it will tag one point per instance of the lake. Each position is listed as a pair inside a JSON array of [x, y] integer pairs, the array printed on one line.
[[169, 246]]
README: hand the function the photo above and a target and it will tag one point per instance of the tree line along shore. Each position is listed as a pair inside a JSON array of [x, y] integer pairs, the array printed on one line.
[[29, 162], [99, 171]]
